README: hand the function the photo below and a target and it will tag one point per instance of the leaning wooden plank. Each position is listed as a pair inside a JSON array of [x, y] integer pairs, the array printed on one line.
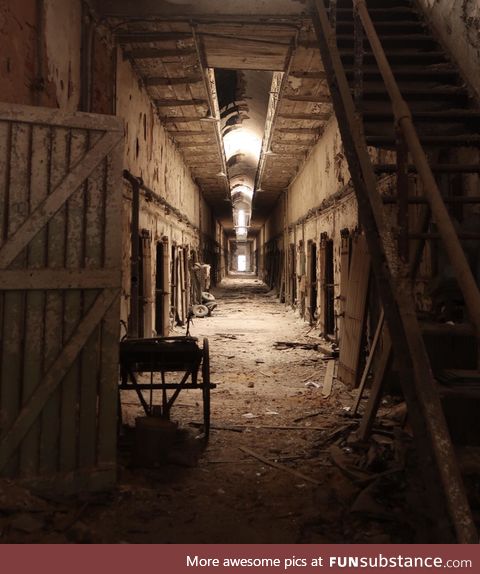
[[47, 209], [35, 301], [376, 390], [27, 416], [355, 312], [328, 380], [59, 118], [54, 279], [279, 466], [366, 370]]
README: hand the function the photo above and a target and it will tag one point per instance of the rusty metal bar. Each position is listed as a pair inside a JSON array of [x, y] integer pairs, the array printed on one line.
[[403, 117], [437, 457]]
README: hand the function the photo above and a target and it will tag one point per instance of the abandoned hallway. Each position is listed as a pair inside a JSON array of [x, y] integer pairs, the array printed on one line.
[[239, 271], [270, 401]]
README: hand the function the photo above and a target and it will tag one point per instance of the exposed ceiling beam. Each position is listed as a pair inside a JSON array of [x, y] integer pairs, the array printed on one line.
[[171, 102], [163, 81], [202, 145], [145, 37], [299, 131], [218, 9], [211, 90], [189, 133], [144, 53], [320, 99], [309, 75], [312, 117], [180, 119]]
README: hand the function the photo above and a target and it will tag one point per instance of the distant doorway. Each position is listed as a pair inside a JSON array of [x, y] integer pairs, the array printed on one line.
[[242, 263], [313, 283], [329, 290]]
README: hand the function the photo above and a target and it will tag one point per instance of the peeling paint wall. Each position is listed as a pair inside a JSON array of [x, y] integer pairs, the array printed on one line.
[[22, 55], [320, 203], [63, 48], [151, 155], [41, 47], [149, 151], [458, 25]]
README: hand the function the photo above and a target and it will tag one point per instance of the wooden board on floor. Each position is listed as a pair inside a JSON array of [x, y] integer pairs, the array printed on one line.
[[355, 311], [328, 380]]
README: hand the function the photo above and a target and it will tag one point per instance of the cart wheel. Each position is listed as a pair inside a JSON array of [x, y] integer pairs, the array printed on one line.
[[206, 387]]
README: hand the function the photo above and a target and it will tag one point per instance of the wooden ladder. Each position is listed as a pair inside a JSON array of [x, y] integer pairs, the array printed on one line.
[[362, 112]]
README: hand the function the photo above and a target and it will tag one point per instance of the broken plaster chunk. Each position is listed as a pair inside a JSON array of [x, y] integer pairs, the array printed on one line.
[[250, 416]]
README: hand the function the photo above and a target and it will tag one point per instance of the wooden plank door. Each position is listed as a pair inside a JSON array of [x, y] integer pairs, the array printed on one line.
[[355, 311], [60, 262]]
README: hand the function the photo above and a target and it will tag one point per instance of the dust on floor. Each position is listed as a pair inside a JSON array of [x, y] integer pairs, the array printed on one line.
[[273, 470]]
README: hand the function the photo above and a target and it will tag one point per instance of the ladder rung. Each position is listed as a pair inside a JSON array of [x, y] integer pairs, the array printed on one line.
[[438, 168]]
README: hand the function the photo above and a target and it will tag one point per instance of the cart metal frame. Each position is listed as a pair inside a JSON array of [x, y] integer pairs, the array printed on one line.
[[166, 355]]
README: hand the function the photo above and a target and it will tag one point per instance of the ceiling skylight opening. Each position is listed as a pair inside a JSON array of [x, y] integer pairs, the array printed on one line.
[[244, 141]]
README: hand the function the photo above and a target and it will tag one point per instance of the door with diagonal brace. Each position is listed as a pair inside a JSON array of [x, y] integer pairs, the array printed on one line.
[[60, 276]]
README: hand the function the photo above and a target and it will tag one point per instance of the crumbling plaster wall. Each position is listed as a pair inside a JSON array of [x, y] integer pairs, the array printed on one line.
[[63, 48], [319, 201], [457, 22], [151, 155]]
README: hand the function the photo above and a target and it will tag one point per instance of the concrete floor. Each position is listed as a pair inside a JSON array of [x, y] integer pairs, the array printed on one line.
[[221, 492]]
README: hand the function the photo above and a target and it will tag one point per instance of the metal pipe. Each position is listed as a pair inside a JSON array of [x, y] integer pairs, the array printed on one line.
[[440, 213]]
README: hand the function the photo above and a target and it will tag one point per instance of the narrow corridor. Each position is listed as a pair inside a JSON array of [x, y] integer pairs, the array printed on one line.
[[269, 404]]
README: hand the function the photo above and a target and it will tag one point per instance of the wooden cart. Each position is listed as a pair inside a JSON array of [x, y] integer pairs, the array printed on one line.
[[158, 356]]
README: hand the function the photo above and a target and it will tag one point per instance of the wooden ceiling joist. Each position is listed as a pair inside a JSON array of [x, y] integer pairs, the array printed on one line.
[[308, 75], [173, 102], [164, 81], [145, 53], [319, 99], [203, 145], [299, 131], [306, 116], [190, 133], [141, 37], [180, 119]]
